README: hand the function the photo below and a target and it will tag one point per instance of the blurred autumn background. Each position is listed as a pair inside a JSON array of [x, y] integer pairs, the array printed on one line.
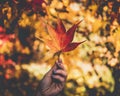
[[93, 68]]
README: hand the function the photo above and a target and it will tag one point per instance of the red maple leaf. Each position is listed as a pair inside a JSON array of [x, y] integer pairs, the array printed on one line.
[[61, 40]]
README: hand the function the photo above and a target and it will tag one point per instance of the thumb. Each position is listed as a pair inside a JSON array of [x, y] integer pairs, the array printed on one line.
[[59, 60]]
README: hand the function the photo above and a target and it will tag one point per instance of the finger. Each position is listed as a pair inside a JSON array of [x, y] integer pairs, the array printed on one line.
[[58, 78], [59, 60], [60, 65], [60, 72]]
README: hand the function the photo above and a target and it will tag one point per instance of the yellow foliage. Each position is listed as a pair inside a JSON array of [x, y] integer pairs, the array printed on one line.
[[7, 47], [116, 37], [24, 21]]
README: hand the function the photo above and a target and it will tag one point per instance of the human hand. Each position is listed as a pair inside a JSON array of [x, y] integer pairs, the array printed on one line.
[[54, 80]]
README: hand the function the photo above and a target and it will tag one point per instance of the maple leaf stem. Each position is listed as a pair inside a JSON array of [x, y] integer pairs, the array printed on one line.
[[59, 55]]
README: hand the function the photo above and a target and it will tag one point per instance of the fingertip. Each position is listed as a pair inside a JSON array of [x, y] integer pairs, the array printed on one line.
[[59, 60], [59, 64]]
